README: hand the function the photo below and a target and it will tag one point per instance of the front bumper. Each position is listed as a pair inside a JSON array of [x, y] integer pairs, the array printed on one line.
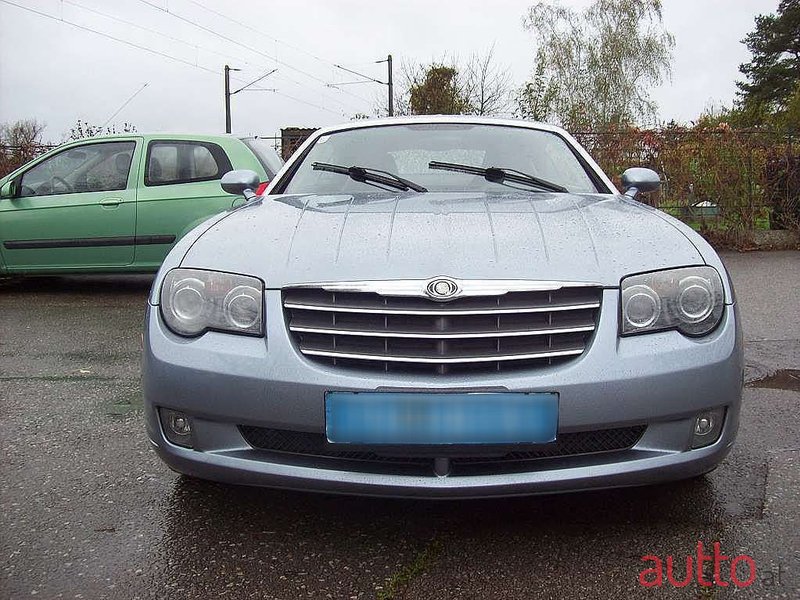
[[661, 380]]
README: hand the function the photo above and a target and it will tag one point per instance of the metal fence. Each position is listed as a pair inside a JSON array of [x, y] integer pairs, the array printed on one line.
[[712, 178]]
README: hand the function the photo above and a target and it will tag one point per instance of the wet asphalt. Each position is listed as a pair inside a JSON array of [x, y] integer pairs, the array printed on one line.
[[88, 511]]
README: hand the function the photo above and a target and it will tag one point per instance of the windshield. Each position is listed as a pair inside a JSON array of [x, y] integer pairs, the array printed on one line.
[[407, 151]]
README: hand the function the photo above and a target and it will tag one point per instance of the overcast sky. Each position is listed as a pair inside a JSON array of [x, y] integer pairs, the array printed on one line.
[[57, 73]]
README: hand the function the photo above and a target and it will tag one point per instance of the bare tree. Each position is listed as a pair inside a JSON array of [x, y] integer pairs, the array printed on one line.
[[486, 85], [20, 142], [479, 87]]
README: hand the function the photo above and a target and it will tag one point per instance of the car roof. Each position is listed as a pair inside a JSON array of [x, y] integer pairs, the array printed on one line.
[[164, 136], [433, 119]]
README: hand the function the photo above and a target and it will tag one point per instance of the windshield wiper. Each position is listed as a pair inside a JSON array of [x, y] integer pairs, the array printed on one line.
[[370, 175], [499, 175]]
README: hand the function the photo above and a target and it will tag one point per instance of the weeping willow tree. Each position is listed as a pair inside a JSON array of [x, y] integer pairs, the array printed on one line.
[[594, 67]]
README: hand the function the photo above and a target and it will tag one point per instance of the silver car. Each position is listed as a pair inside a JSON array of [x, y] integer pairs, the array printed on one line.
[[442, 307]]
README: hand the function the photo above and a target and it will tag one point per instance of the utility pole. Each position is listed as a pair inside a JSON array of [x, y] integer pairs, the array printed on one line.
[[391, 86], [227, 99], [229, 93], [366, 79]]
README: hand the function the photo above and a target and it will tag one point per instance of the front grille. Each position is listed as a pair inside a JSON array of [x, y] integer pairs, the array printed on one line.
[[366, 330], [314, 445], [571, 444]]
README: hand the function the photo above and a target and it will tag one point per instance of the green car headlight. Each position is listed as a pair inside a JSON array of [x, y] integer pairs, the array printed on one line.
[[690, 300], [194, 301]]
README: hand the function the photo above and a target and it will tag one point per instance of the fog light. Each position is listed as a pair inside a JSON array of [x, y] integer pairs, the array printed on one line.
[[703, 425], [177, 427], [180, 424], [707, 427]]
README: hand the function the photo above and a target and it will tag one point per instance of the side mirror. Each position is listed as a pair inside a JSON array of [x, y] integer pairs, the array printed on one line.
[[242, 182], [7, 191], [638, 179]]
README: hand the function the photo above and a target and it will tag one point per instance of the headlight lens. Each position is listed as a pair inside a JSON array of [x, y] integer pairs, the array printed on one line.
[[194, 301], [689, 299]]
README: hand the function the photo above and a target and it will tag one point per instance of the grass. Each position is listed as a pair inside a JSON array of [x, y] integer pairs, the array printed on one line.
[[398, 581], [716, 222]]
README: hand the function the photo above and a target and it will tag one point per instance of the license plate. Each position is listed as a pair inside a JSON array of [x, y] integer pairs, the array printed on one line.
[[401, 418]]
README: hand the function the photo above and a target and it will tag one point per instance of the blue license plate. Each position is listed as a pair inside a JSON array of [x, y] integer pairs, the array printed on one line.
[[401, 418]]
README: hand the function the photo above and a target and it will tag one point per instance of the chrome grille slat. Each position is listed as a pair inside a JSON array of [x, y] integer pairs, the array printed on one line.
[[439, 311], [443, 335], [367, 330], [435, 360]]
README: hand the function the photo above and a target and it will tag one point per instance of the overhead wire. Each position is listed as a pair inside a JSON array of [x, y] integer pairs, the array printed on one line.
[[155, 32], [237, 42], [246, 87], [278, 41], [109, 36], [151, 50], [193, 45]]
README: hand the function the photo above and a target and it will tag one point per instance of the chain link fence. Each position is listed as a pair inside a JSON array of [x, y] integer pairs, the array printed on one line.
[[714, 179]]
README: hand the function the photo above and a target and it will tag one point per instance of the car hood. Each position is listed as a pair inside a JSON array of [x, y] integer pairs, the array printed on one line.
[[311, 238]]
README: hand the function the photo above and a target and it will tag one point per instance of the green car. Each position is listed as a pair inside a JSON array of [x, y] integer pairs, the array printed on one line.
[[118, 203]]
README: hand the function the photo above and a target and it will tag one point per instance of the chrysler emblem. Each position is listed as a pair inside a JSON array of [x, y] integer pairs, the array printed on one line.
[[442, 288]]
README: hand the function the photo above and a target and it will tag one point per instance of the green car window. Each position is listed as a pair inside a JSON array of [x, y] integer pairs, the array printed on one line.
[[99, 167], [170, 162], [265, 154]]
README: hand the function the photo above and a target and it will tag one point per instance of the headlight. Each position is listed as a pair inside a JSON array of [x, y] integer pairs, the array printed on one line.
[[689, 299], [194, 301]]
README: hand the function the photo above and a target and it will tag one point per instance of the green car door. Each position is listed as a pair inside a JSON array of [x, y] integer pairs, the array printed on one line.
[[178, 189], [73, 209]]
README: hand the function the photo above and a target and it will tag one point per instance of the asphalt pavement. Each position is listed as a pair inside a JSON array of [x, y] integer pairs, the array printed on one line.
[[88, 511]]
